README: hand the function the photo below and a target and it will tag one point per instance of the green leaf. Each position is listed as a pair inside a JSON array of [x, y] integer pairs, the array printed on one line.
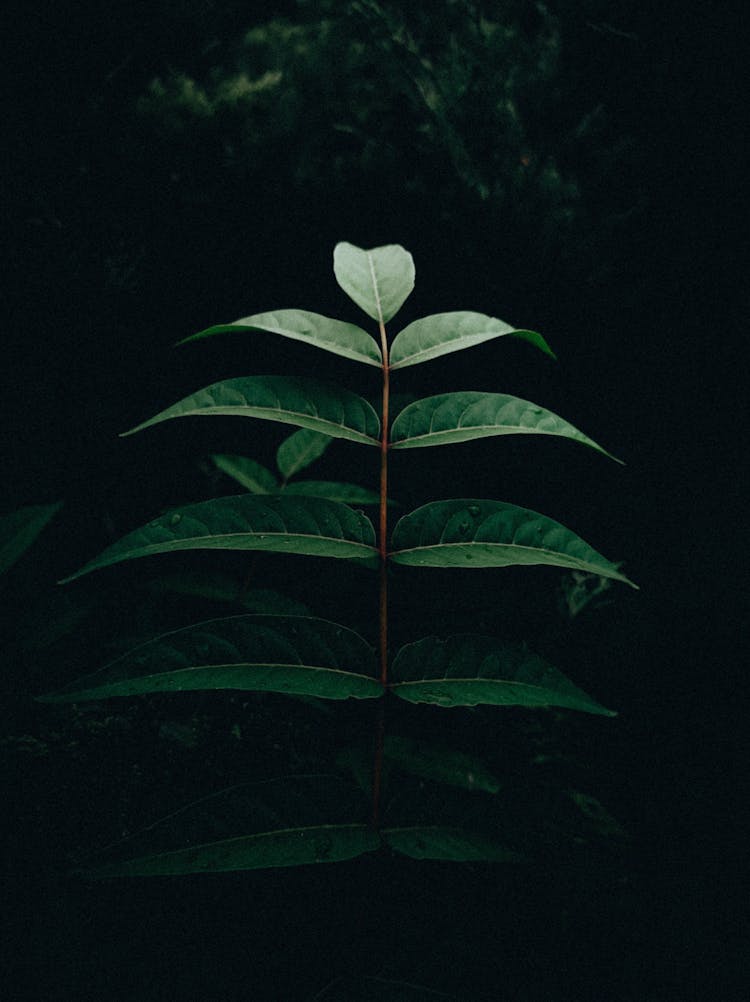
[[378, 280], [435, 762], [310, 526], [249, 474], [480, 533], [466, 670], [460, 417], [336, 336], [304, 402], [20, 528], [295, 655], [445, 332], [334, 491], [300, 450], [220, 587], [438, 842]]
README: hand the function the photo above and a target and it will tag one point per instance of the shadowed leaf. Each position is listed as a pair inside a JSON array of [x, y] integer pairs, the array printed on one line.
[[20, 528], [438, 842], [300, 450], [249, 474]]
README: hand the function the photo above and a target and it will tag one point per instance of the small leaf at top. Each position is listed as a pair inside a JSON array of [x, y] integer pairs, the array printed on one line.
[[481, 533], [466, 670], [308, 526], [251, 475], [301, 449], [303, 402], [335, 336], [19, 529], [378, 280], [445, 332], [460, 417]]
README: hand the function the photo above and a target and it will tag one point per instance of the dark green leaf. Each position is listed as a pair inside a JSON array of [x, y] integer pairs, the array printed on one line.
[[445, 332], [435, 762], [249, 474], [336, 336], [300, 450], [438, 842], [310, 526], [219, 587], [378, 280], [466, 670], [289, 654], [480, 533], [20, 528], [460, 417], [334, 491], [303, 402]]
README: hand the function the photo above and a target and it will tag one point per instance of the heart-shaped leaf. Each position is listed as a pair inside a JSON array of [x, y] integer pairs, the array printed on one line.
[[335, 336], [310, 526], [445, 332], [304, 402], [251, 475], [466, 670], [19, 529], [300, 450], [480, 533], [378, 280], [460, 417], [289, 654]]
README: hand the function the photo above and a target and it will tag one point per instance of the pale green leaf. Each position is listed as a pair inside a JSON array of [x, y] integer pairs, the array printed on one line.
[[335, 336], [480, 533], [378, 280], [445, 332], [465, 670], [300, 450], [460, 417], [249, 474], [296, 655], [310, 526], [303, 402], [334, 491], [20, 528]]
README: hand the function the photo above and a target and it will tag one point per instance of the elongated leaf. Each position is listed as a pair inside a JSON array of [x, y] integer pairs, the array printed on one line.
[[445, 332], [303, 402], [335, 336], [334, 491], [460, 417], [378, 280], [435, 762], [251, 475], [438, 842], [480, 533], [289, 654], [466, 670], [220, 587], [300, 450], [20, 528], [310, 526]]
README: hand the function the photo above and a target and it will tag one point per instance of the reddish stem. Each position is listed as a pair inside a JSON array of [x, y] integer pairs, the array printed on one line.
[[383, 551]]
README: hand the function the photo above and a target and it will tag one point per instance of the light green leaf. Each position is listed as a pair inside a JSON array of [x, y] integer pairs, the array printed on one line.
[[378, 280], [335, 336], [249, 474], [310, 526], [334, 491], [480, 533], [304, 402], [435, 762], [20, 528], [460, 417], [466, 670], [445, 332], [438, 842], [300, 450], [295, 655]]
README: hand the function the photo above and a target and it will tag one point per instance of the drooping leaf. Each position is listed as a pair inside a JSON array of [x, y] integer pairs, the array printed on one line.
[[466, 670], [310, 526], [436, 762], [480, 533], [335, 336], [378, 280], [334, 491], [303, 402], [301, 449], [249, 474], [445, 332], [220, 587], [460, 417], [288, 654], [20, 528], [456, 844]]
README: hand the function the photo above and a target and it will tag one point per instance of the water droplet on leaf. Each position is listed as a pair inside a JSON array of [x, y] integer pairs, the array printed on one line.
[[175, 519], [474, 510]]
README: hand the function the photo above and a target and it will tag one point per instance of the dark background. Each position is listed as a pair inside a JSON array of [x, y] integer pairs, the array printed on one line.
[[576, 171]]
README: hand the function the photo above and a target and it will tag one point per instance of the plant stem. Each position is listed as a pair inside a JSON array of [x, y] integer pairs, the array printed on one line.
[[383, 529]]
